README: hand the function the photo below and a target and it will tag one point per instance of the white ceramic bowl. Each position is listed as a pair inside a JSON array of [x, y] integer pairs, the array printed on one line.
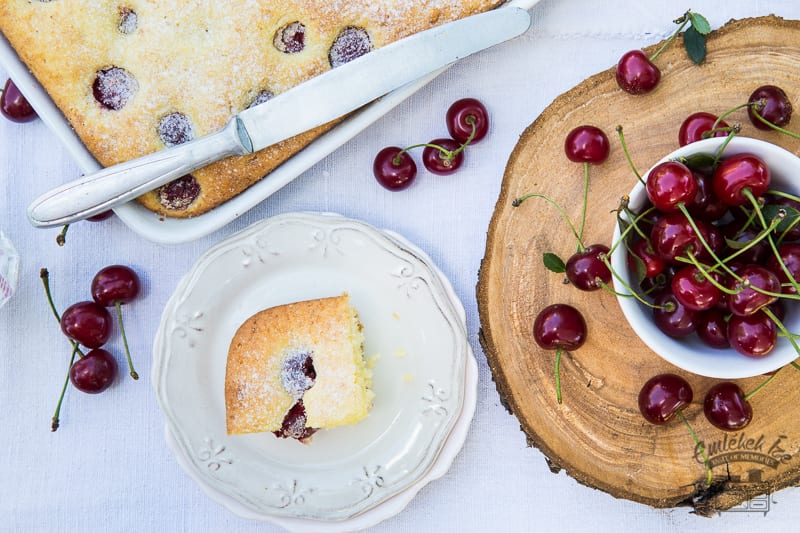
[[690, 353]]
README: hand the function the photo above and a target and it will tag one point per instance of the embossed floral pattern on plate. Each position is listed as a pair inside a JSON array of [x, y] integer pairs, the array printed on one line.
[[406, 307]]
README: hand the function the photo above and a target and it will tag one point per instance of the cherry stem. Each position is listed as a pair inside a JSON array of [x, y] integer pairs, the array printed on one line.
[[557, 372], [45, 275], [61, 238], [709, 476], [631, 292], [757, 208], [795, 365], [728, 112], [722, 147], [628, 155], [585, 201], [56, 414], [703, 241], [761, 386], [118, 307], [782, 328], [517, 202], [770, 124], [683, 21]]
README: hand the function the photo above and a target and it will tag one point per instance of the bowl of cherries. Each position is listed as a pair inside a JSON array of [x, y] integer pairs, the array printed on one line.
[[706, 257]]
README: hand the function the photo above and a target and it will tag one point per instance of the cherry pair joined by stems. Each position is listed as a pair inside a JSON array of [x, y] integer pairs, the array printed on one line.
[[467, 122]]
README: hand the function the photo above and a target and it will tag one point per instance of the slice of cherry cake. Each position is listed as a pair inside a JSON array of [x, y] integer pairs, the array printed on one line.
[[297, 368]]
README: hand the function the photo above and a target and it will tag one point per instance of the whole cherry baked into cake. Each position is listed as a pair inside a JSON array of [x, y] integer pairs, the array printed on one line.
[[135, 76]]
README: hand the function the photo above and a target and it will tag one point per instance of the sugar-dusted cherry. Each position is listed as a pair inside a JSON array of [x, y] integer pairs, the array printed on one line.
[[559, 327], [586, 144], [738, 174], [94, 372], [771, 104], [467, 120], [636, 73], [662, 396], [13, 104], [443, 156], [394, 168], [726, 407], [670, 184], [87, 323], [752, 335], [586, 270], [698, 126]]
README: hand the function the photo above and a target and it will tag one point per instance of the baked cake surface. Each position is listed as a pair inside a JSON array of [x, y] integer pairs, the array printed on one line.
[[304, 356], [134, 76]]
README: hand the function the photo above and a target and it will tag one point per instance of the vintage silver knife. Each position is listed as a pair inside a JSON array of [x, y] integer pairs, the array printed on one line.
[[314, 102]]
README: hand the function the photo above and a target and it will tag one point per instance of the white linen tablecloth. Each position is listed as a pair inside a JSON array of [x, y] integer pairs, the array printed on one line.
[[108, 467]]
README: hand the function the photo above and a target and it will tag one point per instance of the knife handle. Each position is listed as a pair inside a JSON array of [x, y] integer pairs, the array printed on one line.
[[107, 188]]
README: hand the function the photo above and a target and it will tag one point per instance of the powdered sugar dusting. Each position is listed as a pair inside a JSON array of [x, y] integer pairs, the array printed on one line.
[[175, 128], [291, 38], [128, 20], [350, 44], [180, 193], [297, 373], [113, 87]]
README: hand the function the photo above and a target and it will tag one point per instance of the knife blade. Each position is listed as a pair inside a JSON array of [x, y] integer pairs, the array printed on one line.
[[317, 101]]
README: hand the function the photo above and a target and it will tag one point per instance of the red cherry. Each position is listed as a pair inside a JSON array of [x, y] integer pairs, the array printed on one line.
[[790, 257], [653, 265], [94, 372], [394, 169], [693, 290], [747, 300], [87, 323], [705, 205], [738, 173], [696, 124], [673, 235], [585, 268], [672, 317], [636, 74], [773, 105], [670, 184], [101, 216], [464, 116], [662, 396], [14, 106], [587, 144], [439, 162], [752, 335], [726, 408], [559, 326], [115, 283], [712, 328]]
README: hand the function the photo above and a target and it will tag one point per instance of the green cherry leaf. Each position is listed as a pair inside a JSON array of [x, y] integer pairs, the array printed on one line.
[[770, 211], [553, 263], [695, 44], [700, 23]]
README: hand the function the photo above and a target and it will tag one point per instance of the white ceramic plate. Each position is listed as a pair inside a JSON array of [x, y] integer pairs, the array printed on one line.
[[374, 515], [415, 331], [176, 230]]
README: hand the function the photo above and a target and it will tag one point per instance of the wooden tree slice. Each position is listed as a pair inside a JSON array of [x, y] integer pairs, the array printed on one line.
[[597, 434]]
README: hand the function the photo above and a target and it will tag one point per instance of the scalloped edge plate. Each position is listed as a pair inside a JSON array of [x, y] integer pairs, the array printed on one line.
[[415, 337]]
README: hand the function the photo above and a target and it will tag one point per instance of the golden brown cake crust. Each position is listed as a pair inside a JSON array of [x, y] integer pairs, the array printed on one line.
[[204, 60], [256, 397]]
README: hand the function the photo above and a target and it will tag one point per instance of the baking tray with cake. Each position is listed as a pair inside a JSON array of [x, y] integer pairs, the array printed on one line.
[[124, 105]]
